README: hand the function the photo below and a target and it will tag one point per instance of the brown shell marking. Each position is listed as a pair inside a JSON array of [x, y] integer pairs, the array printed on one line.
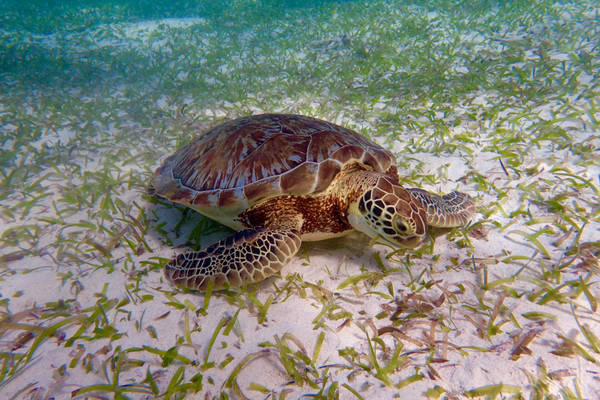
[[240, 163]]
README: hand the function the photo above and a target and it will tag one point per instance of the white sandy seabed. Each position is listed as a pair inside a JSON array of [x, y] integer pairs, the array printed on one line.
[[483, 361]]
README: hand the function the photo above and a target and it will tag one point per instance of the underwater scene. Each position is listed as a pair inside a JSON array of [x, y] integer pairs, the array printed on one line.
[[496, 100]]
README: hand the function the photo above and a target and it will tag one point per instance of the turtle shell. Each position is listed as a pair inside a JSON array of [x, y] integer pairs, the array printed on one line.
[[240, 163]]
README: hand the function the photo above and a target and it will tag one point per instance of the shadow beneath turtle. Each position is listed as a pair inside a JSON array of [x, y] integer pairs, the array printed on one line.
[[180, 227]]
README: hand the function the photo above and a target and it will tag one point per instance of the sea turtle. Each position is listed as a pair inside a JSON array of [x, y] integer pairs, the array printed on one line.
[[280, 179]]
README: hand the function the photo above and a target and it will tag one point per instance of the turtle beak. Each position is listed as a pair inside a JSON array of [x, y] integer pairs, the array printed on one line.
[[395, 241], [398, 241], [359, 222]]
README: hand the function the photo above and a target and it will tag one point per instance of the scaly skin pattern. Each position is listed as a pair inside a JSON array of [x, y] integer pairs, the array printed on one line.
[[247, 256], [279, 179], [448, 211], [358, 198]]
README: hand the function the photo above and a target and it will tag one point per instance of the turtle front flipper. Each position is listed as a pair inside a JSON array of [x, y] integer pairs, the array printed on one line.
[[248, 256], [448, 211]]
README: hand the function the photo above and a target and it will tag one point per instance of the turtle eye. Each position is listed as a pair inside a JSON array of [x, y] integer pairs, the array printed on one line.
[[401, 226]]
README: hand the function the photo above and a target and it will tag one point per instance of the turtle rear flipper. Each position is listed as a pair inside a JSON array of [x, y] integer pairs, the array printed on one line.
[[248, 256]]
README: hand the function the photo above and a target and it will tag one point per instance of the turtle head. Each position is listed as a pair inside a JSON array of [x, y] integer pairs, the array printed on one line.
[[388, 212]]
